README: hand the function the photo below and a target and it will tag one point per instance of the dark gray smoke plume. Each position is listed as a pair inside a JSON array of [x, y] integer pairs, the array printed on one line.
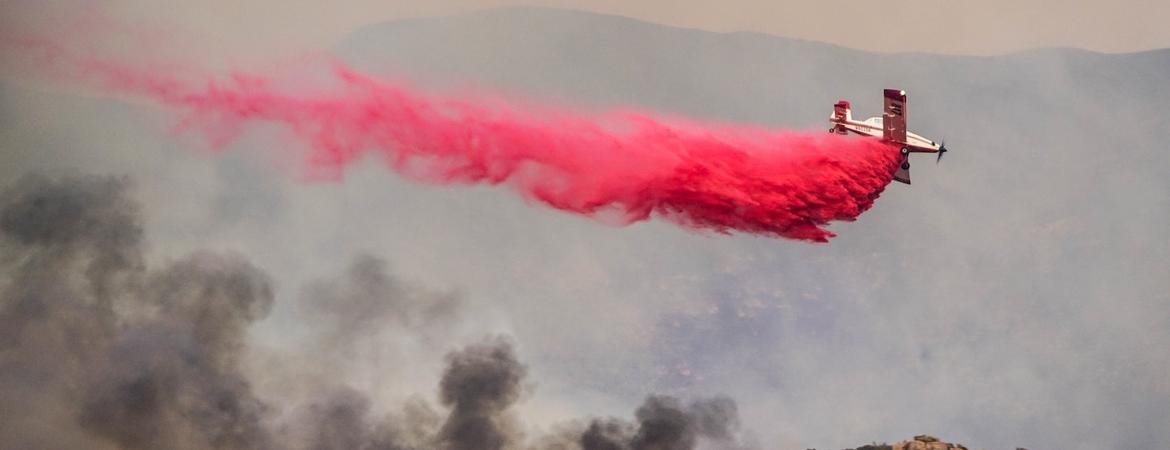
[[173, 379], [480, 383], [607, 434], [67, 246], [97, 350], [123, 355], [67, 250], [663, 423]]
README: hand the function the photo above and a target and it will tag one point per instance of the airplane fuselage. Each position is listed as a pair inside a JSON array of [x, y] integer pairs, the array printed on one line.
[[872, 127]]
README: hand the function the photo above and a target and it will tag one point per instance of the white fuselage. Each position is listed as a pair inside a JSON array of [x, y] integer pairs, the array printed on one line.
[[873, 127]]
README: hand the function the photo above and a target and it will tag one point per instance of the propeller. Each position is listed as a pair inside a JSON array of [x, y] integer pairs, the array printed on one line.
[[942, 148]]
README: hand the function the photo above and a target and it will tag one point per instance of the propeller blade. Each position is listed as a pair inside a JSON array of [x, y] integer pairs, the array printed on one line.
[[942, 148]]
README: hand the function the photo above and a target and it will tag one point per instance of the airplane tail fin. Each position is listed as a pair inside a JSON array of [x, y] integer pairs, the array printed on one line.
[[841, 113], [894, 116]]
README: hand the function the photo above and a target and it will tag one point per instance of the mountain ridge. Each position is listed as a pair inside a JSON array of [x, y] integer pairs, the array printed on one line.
[[549, 12]]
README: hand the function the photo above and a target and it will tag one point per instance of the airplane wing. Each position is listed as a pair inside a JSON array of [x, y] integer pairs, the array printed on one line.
[[894, 117]]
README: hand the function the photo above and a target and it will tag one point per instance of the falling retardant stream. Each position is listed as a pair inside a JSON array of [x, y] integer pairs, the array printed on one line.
[[625, 166]]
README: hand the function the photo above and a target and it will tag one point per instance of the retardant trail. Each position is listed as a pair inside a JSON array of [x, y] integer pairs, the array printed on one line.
[[621, 164]]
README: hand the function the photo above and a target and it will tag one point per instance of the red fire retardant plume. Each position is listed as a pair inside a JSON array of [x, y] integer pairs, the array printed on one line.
[[621, 164]]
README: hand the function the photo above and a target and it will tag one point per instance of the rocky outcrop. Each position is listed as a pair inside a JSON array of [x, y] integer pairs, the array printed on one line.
[[924, 442], [920, 442]]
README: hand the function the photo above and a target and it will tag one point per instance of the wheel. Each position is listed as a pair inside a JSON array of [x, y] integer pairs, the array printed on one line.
[[905, 166], [905, 150]]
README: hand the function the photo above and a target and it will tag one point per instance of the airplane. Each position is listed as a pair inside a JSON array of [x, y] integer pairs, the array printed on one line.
[[890, 128]]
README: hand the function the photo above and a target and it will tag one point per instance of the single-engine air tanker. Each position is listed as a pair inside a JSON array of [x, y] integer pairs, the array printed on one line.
[[890, 128]]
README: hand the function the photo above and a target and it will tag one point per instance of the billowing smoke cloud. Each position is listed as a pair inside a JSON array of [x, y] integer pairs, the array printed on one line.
[[101, 351], [622, 166], [67, 250], [663, 423], [135, 358], [172, 379], [480, 383]]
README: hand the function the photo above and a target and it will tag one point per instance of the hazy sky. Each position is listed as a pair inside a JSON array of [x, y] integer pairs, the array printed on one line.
[[1015, 295], [942, 26]]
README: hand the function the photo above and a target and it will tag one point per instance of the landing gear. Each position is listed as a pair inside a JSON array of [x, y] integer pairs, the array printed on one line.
[[905, 151], [905, 166]]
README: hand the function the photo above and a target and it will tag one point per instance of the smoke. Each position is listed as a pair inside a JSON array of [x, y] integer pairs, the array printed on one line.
[[663, 423], [132, 357], [342, 421], [60, 228], [100, 350], [198, 310], [67, 249], [366, 298], [623, 166], [480, 383], [611, 434]]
